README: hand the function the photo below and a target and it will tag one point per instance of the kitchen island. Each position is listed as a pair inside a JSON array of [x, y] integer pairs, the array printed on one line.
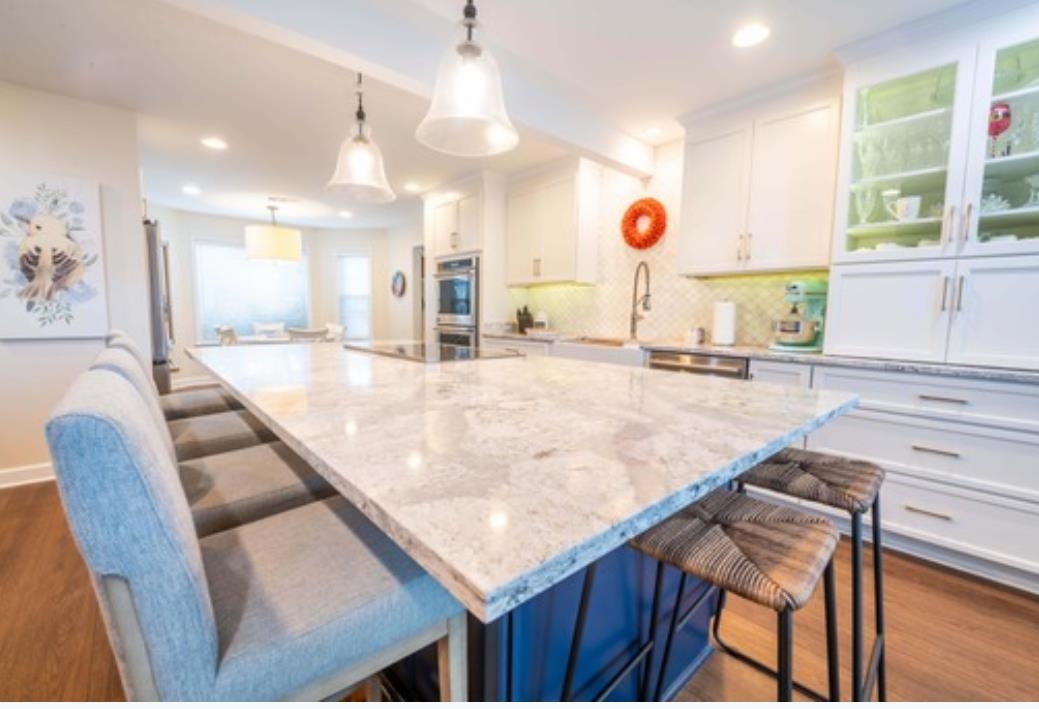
[[504, 477]]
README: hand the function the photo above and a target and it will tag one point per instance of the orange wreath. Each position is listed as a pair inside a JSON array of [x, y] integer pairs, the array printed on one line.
[[644, 223]]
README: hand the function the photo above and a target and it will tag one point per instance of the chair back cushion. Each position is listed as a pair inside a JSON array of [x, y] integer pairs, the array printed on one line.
[[128, 513], [118, 338], [118, 360]]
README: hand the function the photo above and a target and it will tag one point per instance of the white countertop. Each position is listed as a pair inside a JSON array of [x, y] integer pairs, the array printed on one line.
[[502, 477]]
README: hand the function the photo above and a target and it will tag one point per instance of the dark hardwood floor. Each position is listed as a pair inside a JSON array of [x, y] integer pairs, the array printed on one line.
[[951, 637]]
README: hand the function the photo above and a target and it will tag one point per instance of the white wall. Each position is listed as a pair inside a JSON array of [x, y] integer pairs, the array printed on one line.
[[44, 133], [401, 312], [389, 250]]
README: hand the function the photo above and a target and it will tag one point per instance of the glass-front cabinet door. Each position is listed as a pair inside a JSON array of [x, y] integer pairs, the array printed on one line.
[[1001, 195], [903, 156]]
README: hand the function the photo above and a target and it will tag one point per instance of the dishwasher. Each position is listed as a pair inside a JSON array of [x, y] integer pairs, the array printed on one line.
[[703, 364]]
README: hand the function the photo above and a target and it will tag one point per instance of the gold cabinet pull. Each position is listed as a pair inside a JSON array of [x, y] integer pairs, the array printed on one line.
[[945, 292], [935, 451], [965, 226], [927, 513], [959, 294], [947, 221]]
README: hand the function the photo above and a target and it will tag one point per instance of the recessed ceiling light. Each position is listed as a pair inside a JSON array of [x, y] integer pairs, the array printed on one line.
[[192, 190], [412, 187], [652, 133], [751, 34], [345, 214], [214, 143]]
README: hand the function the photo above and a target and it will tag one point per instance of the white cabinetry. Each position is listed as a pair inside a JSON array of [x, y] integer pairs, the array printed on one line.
[[526, 347], [456, 226], [758, 187], [553, 224], [785, 373]]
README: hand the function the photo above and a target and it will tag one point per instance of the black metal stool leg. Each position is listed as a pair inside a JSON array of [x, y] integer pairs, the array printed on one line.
[[833, 664], [666, 658], [785, 640], [878, 604], [575, 644], [856, 607], [648, 669]]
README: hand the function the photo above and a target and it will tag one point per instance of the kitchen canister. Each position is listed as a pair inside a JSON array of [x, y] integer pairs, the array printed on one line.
[[723, 331]]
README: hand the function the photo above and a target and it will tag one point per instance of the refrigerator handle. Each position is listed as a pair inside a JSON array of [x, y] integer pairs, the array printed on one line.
[[167, 300]]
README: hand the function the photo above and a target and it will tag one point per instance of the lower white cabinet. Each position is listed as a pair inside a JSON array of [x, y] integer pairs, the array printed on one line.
[[890, 310], [995, 312], [526, 347], [786, 373], [629, 356]]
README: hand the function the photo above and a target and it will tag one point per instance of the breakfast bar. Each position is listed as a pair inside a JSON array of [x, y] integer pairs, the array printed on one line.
[[504, 476]]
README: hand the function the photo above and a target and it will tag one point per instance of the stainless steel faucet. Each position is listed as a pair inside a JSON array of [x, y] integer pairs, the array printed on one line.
[[636, 300]]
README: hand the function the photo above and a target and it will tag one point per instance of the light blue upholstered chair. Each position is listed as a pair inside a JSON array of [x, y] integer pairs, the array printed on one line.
[[296, 606], [191, 437], [182, 403], [233, 487]]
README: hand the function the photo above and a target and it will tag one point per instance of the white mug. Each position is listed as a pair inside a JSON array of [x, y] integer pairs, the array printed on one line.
[[904, 209]]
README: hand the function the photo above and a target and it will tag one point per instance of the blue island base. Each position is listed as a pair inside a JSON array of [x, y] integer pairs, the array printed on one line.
[[542, 631]]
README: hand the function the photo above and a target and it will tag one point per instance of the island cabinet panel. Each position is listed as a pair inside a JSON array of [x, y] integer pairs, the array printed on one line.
[[537, 644], [553, 224]]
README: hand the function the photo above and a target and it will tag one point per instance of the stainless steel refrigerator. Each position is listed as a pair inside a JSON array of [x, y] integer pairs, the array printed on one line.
[[160, 310]]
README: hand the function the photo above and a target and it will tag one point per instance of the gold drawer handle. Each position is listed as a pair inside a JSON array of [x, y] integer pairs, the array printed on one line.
[[943, 399], [928, 513], [936, 451]]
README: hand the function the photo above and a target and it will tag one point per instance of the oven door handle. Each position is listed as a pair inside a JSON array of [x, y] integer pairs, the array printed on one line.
[[451, 330], [469, 273]]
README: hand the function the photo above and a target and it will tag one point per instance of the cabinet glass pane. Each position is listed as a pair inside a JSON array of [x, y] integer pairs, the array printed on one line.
[[900, 161], [1008, 207]]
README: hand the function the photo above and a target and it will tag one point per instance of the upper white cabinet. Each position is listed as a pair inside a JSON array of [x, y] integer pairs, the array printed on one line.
[[553, 224], [758, 187], [456, 226]]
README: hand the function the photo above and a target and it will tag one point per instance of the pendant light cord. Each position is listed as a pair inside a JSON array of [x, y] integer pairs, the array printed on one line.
[[470, 19], [360, 115], [274, 209]]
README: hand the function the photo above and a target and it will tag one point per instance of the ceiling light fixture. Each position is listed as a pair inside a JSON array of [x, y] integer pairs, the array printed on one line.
[[653, 133], [273, 242], [346, 214], [751, 34], [412, 187], [192, 190], [360, 172], [214, 143], [467, 116]]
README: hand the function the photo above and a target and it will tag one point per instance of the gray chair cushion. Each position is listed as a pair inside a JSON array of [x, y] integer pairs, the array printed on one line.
[[217, 433], [770, 554], [127, 511], [197, 401], [119, 361], [303, 594], [230, 489]]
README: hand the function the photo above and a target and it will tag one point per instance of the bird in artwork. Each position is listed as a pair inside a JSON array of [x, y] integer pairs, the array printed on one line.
[[998, 122], [49, 259]]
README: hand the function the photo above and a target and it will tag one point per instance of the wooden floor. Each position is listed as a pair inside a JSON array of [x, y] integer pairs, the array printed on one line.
[[951, 637]]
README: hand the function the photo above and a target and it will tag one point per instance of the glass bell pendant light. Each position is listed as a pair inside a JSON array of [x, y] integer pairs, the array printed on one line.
[[273, 242], [467, 116], [360, 173]]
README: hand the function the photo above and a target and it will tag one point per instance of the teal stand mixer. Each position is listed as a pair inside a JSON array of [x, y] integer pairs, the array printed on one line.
[[802, 329]]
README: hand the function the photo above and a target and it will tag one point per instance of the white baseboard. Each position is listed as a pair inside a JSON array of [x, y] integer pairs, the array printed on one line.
[[26, 475]]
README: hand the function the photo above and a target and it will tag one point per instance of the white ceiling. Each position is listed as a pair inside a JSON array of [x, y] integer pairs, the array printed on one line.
[[646, 62], [283, 113]]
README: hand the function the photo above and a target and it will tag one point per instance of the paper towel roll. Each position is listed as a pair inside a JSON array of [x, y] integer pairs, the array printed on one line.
[[724, 330]]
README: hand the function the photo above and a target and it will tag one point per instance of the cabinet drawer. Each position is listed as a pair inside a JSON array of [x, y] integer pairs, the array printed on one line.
[[786, 373], [527, 347], [964, 400], [993, 460], [980, 525]]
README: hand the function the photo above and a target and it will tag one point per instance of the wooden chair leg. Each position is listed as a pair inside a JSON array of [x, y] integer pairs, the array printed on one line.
[[452, 660]]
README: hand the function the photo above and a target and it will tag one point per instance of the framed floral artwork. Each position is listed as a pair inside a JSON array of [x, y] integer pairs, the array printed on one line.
[[52, 275]]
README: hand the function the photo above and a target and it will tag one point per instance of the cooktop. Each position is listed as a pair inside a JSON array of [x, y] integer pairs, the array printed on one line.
[[430, 354]]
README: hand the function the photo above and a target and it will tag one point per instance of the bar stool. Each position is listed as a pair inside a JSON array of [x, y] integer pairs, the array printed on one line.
[[852, 486], [770, 554]]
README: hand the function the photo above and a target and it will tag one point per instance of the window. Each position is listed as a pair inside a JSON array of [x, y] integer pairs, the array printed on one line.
[[233, 290], [355, 295]]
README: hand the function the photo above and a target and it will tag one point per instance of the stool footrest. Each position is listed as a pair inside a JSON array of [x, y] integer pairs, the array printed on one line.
[[875, 658], [765, 669]]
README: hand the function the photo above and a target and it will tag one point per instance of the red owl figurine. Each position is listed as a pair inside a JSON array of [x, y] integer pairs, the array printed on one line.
[[998, 123]]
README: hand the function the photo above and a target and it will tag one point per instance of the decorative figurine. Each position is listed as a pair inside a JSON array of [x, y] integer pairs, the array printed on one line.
[[998, 124]]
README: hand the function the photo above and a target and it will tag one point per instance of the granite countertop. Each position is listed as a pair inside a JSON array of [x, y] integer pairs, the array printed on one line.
[[1022, 376], [502, 477]]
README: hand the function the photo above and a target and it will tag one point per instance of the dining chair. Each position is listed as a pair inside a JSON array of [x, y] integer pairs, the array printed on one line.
[[300, 334], [226, 335], [300, 605], [196, 400], [189, 437], [336, 332]]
